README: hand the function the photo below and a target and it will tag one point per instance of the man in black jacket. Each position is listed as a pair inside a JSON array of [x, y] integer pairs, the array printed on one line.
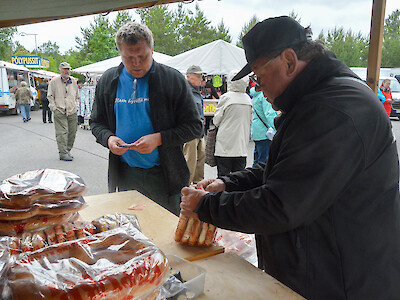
[[46, 112], [194, 150], [325, 207], [144, 112]]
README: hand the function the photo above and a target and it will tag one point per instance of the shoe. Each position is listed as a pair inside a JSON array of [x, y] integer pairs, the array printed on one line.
[[29, 119], [69, 153], [50, 121], [66, 157], [44, 122], [25, 121]]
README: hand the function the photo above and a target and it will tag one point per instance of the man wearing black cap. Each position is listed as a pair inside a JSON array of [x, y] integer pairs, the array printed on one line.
[[325, 207]]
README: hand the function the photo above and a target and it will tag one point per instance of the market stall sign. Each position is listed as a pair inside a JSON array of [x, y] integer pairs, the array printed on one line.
[[30, 61]]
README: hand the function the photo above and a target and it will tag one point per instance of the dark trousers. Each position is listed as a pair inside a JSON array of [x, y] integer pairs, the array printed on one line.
[[46, 111], [261, 151], [151, 183], [226, 165]]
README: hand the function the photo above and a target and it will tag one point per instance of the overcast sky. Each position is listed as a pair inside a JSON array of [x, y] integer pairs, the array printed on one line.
[[320, 14]]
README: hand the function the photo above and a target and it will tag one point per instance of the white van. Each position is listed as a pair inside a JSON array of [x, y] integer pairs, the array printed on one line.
[[10, 80]]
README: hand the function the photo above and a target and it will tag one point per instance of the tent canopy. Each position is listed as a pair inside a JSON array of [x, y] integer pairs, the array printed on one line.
[[215, 58], [98, 68]]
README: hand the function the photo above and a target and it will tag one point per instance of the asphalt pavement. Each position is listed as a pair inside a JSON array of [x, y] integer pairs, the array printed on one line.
[[32, 145]]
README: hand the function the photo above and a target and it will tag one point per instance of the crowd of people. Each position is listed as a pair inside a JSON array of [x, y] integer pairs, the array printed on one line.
[[322, 196]]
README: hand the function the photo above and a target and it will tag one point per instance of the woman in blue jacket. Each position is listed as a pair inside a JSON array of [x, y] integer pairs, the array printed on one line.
[[263, 118]]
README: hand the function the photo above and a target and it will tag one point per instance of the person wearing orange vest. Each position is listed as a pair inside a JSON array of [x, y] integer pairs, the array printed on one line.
[[385, 95]]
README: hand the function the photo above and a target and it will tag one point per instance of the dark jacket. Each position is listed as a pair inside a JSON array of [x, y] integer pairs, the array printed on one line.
[[43, 92], [198, 99], [172, 111], [325, 208]]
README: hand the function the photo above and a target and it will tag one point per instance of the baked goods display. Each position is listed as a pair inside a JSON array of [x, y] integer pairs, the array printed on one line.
[[38, 199], [194, 232], [38, 208], [108, 258], [43, 185]]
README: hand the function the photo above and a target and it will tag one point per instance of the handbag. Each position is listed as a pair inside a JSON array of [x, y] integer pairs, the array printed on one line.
[[210, 146]]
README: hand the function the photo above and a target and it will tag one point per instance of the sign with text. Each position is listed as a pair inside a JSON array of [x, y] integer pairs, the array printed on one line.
[[30, 61]]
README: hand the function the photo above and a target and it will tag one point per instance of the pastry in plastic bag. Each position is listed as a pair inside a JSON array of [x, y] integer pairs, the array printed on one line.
[[116, 264], [34, 223], [22, 190], [58, 207]]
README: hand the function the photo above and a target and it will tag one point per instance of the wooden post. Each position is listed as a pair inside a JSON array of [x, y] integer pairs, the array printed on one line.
[[375, 44]]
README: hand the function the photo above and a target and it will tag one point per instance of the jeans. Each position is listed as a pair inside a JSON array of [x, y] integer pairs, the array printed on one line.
[[226, 165], [66, 127], [151, 183], [261, 151], [25, 111]]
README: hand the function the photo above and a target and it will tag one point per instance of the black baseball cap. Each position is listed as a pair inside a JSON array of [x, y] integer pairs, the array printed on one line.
[[268, 36]]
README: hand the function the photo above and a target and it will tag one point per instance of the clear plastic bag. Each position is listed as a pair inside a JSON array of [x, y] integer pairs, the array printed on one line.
[[43, 186], [38, 208], [242, 244], [112, 264]]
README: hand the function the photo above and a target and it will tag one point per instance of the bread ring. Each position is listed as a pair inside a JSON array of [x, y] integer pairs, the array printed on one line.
[[38, 222], [23, 189]]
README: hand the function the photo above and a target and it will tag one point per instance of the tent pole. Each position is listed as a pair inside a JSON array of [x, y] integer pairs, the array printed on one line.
[[375, 44]]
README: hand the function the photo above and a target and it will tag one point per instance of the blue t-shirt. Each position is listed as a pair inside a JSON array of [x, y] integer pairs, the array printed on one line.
[[132, 111]]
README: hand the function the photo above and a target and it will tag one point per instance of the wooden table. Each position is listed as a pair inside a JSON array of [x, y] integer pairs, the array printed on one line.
[[228, 275]]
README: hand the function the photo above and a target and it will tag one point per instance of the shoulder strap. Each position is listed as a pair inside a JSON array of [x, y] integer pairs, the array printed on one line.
[[260, 118]]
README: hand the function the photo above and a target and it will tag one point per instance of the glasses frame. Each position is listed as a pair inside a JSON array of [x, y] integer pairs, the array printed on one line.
[[253, 77]]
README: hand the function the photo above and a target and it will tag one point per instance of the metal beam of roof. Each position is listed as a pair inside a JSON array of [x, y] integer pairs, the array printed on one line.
[[22, 12]]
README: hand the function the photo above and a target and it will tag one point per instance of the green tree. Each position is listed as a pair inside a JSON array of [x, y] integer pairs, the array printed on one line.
[[122, 18], [161, 22], [246, 27], [51, 51], [222, 33], [97, 43], [6, 44], [391, 41], [352, 49], [197, 30]]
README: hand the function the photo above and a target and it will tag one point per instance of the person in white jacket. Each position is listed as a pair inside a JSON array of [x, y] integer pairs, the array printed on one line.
[[233, 117]]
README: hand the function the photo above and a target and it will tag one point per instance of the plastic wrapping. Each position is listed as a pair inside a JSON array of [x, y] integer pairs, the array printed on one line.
[[242, 244], [69, 231], [47, 208], [39, 186], [119, 263], [35, 223]]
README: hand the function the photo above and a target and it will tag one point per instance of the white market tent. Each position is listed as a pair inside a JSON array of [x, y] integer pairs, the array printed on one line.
[[98, 68], [215, 58], [44, 73]]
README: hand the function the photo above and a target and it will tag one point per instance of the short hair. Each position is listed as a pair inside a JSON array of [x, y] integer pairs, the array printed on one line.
[[132, 33], [23, 83], [310, 49], [385, 80]]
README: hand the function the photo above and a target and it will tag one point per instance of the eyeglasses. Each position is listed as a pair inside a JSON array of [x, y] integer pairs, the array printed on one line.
[[254, 78]]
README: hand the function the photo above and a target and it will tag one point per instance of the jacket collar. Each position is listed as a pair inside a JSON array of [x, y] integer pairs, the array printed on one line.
[[321, 68]]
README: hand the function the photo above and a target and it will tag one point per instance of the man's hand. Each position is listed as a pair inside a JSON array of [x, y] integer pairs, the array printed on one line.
[[211, 185], [190, 199], [114, 143], [147, 144]]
